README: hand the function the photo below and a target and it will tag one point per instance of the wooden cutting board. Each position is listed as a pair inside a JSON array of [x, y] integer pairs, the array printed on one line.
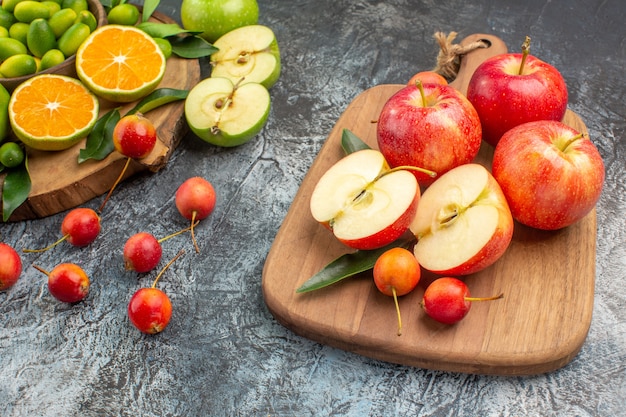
[[60, 183], [547, 279]]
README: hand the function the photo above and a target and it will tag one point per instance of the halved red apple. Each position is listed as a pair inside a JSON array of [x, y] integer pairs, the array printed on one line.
[[463, 222], [363, 202]]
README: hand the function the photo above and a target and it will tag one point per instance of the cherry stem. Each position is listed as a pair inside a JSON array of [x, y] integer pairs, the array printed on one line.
[[47, 247], [525, 52], [117, 181], [178, 255], [186, 229], [40, 269], [395, 300], [193, 235], [495, 297]]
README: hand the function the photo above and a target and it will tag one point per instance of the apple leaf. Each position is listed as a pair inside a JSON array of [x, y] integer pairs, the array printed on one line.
[[158, 98], [351, 142], [349, 265], [15, 190], [149, 6], [99, 143], [191, 47], [164, 30]]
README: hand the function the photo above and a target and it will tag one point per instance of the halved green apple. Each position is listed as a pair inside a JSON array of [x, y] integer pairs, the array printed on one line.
[[227, 114], [247, 54], [363, 202]]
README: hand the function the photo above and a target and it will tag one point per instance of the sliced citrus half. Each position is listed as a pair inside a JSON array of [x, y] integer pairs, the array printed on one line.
[[120, 63], [52, 112]]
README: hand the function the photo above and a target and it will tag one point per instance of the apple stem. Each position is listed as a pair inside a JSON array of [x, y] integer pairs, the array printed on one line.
[[495, 297], [395, 300], [420, 87], [40, 269], [428, 172], [525, 52], [571, 140], [47, 247], [186, 229], [117, 181], [178, 255]]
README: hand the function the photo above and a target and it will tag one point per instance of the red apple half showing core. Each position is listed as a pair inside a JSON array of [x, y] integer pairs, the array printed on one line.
[[431, 126], [551, 174], [504, 97], [364, 203], [463, 223]]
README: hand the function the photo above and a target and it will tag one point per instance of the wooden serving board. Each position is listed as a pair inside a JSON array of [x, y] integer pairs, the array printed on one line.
[[60, 183], [547, 279]]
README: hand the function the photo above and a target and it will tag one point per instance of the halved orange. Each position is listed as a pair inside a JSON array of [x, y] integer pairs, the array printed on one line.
[[120, 63], [52, 112]]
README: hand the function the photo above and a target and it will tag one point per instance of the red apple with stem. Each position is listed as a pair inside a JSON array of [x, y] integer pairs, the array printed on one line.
[[432, 126], [195, 200], [364, 202], [427, 77], [463, 223], [150, 309], [396, 273], [10, 266], [447, 300], [550, 173], [67, 282], [134, 136], [80, 227], [514, 88]]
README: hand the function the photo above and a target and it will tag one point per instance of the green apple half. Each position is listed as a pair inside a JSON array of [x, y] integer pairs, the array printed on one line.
[[247, 54], [363, 202], [227, 114]]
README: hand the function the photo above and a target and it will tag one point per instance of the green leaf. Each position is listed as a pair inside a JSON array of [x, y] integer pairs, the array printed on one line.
[[99, 143], [15, 190], [149, 6], [165, 30], [351, 142], [191, 47], [157, 98], [349, 265]]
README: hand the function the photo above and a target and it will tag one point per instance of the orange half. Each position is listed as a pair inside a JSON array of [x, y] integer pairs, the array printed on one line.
[[52, 112], [120, 63]]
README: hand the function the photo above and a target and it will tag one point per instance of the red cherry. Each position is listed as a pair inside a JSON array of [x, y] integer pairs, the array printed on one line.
[[134, 136], [195, 200], [142, 252], [150, 310], [81, 226], [67, 282], [10, 266]]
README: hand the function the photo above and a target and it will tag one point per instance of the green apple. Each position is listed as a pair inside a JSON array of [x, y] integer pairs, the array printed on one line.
[[217, 17], [226, 114], [247, 54]]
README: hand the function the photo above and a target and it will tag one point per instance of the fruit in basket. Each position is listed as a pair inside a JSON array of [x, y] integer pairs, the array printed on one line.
[[142, 252], [363, 202], [80, 227], [195, 200], [18, 66], [52, 112], [447, 300], [123, 14], [10, 266], [551, 174], [67, 282], [227, 114], [214, 18], [120, 63], [396, 273], [513, 88], [427, 77], [431, 126], [247, 54], [463, 223]]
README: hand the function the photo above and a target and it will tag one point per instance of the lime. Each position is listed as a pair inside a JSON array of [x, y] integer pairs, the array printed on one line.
[[11, 154], [62, 20], [123, 14], [88, 18], [6, 18], [76, 5], [28, 10], [50, 59], [18, 65], [40, 38], [165, 46], [19, 31], [72, 38], [10, 47]]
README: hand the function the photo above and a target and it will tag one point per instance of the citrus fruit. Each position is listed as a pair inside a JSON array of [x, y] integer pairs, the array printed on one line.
[[120, 63], [52, 112], [11, 154]]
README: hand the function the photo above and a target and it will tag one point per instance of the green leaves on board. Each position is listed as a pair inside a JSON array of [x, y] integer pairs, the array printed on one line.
[[350, 264], [15, 189], [185, 43]]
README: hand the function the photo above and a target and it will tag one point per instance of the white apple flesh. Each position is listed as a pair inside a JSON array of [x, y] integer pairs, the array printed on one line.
[[551, 175], [247, 54], [363, 203], [225, 114], [463, 223]]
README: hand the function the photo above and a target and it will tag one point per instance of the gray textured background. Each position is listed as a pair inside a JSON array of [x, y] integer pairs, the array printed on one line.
[[223, 353]]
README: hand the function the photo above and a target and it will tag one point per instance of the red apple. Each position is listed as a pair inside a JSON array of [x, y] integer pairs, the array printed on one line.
[[364, 203], [427, 77], [550, 173], [463, 223], [514, 88], [431, 126]]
